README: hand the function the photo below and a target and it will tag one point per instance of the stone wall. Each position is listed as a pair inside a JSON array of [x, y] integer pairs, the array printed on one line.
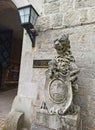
[[76, 18], [66, 13]]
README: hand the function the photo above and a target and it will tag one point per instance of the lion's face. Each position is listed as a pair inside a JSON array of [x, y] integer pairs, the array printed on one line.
[[60, 47]]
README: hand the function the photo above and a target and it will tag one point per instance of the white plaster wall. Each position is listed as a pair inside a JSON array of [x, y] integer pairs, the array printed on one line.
[[38, 5], [20, 3]]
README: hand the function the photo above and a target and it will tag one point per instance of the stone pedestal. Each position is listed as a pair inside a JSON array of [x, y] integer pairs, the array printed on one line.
[[49, 121], [44, 120]]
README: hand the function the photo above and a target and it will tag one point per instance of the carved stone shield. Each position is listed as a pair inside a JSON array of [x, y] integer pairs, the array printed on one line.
[[58, 91], [58, 94]]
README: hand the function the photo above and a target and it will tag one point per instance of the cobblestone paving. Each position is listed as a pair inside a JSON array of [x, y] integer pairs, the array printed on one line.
[[6, 99]]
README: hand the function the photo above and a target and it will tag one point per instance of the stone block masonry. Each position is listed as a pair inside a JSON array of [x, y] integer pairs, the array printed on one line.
[[76, 18], [66, 13]]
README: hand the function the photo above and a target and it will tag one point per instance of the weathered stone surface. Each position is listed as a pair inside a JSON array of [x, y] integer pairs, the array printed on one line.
[[82, 39], [71, 18], [66, 5], [50, 8], [84, 3], [76, 17], [46, 120], [72, 121], [91, 14], [15, 121], [49, 1], [82, 45], [57, 20], [43, 23], [39, 127], [49, 121], [53, 122], [83, 16]]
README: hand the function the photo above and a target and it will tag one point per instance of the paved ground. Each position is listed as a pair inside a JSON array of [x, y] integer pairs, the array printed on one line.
[[6, 99]]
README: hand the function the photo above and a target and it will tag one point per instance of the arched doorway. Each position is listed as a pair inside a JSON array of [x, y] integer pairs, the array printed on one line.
[[11, 35]]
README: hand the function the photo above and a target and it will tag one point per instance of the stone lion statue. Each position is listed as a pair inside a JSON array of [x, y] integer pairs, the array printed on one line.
[[64, 63], [59, 89]]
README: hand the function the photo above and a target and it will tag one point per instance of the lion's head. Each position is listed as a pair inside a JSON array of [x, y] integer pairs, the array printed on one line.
[[62, 44]]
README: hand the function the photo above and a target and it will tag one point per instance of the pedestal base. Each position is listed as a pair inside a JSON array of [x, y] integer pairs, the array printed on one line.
[[46, 121]]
